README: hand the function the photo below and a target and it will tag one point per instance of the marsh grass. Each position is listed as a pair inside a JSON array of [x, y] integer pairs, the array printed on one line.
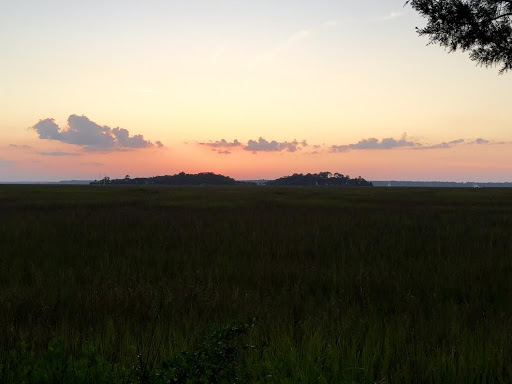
[[346, 285]]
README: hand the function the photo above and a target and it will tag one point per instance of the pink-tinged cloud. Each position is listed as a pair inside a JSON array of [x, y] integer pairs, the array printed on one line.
[[263, 145], [92, 137]]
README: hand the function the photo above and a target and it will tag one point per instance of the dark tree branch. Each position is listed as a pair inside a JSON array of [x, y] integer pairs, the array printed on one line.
[[482, 27]]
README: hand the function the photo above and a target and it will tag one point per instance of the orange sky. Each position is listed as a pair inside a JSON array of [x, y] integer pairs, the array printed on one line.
[[184, 73]]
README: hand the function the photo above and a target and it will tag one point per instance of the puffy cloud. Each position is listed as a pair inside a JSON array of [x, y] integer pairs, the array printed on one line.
[[373, 143], [222, 144], [263, 145], [123, 138], [47, 129], [224, 152], [93, 137]]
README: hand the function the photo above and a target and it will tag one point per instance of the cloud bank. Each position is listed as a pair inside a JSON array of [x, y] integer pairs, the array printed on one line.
[[224, 147], [404, 142], [91, 136]]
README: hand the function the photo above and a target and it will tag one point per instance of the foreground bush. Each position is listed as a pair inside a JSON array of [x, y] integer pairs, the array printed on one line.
[[216, 358]]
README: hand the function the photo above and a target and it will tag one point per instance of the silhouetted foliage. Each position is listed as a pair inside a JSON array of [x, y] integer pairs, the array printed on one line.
[[322, 179], [206, 178], [217, 357], [482, 27]]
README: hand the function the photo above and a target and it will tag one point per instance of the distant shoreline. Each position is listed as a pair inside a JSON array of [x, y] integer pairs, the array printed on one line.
[[378, 183]]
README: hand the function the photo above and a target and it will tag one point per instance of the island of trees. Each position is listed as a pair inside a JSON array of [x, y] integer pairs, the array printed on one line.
[[205, 178], [322, 179]]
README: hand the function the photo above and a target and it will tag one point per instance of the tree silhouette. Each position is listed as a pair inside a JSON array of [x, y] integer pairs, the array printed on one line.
[[481, 27], [322, 179]]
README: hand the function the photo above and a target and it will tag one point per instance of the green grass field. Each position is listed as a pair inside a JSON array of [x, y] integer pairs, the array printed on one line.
[[342, 285]]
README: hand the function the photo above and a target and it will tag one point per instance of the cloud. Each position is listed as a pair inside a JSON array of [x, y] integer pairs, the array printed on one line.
[[263, 145], [404, 142], [337, 22], [280, 48], [224, 147], [33, 150], [373, 143], [481, 141], [443, 145], [222, 144], [5, 163], [331, 23], [299, 35], [57, 154], [24, 147], [91, 136], [94, 164], [391, 16]]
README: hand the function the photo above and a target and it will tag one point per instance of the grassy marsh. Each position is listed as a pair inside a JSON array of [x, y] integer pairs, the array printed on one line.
[[346, 285]]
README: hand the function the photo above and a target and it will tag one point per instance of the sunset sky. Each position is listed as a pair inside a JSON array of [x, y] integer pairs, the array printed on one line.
[[249, 89]]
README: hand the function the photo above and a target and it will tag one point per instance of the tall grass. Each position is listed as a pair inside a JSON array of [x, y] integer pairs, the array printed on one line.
[[346, 285]]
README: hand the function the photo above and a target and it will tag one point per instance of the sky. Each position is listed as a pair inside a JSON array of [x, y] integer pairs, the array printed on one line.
[[249, 89]]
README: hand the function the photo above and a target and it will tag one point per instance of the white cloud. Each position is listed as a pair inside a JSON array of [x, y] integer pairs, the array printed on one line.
[[331, 23], [278, 49], [391, 16], [299, 35]]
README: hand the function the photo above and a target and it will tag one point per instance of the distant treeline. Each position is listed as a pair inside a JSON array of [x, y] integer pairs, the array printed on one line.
[[440, 184], [205, 178], [322, 179]]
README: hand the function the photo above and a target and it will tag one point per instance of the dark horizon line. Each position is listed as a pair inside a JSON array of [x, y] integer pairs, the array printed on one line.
[[377, 183]]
